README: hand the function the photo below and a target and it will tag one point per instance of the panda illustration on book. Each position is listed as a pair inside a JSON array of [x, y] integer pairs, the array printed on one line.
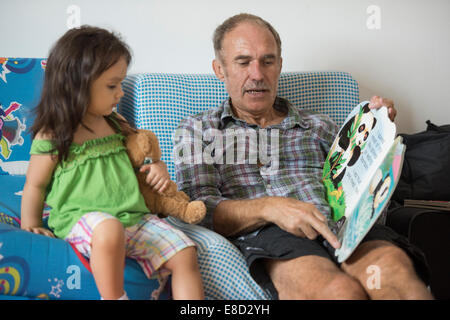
[[351, 142]]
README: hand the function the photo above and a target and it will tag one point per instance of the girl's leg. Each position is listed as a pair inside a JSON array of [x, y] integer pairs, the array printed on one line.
[[186, 279], [108, 258], [159, 247]]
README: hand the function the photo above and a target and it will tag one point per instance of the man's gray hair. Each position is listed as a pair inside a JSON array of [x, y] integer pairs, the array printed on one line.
[[232, 22]]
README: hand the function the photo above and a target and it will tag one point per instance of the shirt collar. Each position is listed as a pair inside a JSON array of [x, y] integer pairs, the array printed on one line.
[[227, 113], [293, 118]]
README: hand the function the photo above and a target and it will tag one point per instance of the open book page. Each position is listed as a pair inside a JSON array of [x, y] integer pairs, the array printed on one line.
[[359, 148], [373, 201]]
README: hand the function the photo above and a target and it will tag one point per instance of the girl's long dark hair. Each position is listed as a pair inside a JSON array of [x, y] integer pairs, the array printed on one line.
[[78, 58]]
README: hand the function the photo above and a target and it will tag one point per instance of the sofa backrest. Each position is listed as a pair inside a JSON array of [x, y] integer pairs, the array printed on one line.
[[158, 102], [21, 82]]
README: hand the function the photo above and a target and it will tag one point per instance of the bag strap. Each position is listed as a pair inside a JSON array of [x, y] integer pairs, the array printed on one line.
[[441, 129]]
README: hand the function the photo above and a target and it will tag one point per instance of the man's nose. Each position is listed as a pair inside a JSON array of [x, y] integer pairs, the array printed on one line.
[[255, 70]]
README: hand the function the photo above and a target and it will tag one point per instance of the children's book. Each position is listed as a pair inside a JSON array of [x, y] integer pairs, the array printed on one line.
[[360, 173]]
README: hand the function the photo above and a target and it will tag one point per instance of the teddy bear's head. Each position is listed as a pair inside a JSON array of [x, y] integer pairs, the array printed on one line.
[[141, 145]]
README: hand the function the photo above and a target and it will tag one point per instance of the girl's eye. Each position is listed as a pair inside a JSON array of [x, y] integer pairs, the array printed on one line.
[[112, 87]]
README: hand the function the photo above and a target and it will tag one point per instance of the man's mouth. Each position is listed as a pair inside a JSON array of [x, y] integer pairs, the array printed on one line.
[[256, 92]]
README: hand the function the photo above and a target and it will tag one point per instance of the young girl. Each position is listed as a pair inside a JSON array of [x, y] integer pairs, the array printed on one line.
[[80, 167]]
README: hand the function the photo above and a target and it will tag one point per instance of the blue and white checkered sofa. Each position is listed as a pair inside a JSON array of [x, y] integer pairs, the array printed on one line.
[[159, 101], [35, 266]]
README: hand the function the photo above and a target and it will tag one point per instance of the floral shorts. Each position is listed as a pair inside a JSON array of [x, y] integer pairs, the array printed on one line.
[[151, 242]]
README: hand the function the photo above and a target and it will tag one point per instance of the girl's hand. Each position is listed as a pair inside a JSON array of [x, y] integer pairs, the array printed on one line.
[[40, 230], [158, 177]]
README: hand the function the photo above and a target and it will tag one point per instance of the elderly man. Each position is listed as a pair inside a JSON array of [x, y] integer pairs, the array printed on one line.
[[281, 222]]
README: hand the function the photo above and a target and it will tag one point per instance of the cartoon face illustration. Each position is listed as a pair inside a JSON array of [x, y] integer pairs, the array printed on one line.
[[381, 191], [11, 129], [366, 125], [350, 144]]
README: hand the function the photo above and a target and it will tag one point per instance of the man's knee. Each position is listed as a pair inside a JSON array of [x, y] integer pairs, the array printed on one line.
[[390, 260], [342, 287], [313, 277]]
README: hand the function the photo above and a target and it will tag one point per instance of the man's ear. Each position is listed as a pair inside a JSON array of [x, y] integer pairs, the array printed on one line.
[[218, 69]]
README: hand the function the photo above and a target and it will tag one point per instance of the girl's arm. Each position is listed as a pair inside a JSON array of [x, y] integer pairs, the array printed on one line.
[[158, 177], [39, 174]]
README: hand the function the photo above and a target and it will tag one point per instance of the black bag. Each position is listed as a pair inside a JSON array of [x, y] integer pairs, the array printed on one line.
[[426, 167], [428, 229]]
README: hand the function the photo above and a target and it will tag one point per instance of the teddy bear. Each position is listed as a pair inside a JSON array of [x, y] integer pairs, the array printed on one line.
[[143, 145]]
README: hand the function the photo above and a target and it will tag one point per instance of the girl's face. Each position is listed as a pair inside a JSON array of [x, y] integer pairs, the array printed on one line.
[[106, 90]]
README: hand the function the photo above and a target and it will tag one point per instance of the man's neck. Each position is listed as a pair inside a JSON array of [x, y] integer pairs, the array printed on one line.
[[263, 119]]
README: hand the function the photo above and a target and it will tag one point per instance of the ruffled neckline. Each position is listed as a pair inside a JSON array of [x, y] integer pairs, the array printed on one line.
[[92, 149], [76, 147]]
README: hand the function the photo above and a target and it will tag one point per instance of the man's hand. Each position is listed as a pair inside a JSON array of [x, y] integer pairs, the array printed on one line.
[[158, 178], [40, 230], [377, 102], [299, 218]]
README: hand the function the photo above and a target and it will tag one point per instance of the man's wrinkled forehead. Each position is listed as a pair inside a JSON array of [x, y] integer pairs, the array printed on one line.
[[238, 41]]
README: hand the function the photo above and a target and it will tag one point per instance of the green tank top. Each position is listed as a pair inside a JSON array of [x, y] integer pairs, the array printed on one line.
[[96, 176]]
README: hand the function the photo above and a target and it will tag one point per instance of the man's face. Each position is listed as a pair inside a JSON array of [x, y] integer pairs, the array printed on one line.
[[250, 66]]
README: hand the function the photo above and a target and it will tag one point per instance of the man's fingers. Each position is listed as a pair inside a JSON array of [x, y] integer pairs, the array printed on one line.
[[377, 102], [392, 113], [319, 215], [321, 225], [322, 228], [309, 232]]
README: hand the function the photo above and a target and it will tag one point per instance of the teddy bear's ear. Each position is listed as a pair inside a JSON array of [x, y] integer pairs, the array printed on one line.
[[148, 142]]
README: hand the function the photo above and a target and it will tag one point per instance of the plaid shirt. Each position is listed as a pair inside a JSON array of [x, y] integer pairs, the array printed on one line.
[[215, 161]]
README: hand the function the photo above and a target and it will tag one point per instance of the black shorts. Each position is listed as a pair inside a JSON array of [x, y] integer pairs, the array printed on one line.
[[271, 242]]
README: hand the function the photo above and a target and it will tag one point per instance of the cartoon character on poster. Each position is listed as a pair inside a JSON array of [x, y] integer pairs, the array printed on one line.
[[11, 129], [18, 66]]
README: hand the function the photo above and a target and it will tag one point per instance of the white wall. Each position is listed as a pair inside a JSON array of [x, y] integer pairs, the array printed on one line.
[[407, 59]]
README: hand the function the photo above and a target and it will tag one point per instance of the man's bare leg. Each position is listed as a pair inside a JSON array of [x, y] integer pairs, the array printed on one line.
[[397, 278], [312, 277]]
